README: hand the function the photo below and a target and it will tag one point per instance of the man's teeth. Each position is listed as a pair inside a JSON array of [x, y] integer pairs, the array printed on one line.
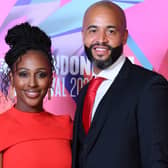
[[100, 49]]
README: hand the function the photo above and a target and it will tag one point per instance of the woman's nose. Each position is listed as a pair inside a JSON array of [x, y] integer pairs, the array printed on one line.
[[32, 81]]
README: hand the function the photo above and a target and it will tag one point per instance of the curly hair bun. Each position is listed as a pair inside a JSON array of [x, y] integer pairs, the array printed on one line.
[[22, 38], [27, 34]]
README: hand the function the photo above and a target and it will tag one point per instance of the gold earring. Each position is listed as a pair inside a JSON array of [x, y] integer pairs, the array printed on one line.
[[49, 94]]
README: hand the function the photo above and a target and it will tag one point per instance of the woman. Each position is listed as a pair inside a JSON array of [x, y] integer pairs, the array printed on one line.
[[30, 136]]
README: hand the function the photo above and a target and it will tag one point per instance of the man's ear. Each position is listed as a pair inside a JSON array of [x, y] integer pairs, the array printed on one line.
[[82, 34], [125, 37]]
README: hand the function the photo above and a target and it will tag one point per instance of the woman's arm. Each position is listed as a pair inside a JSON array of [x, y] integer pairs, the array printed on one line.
[[0, 160]]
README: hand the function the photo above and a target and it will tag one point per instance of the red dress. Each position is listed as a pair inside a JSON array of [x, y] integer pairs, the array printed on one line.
[[35, 140]]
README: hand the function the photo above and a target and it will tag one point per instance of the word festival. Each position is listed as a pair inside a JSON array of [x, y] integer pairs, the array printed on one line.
[[72, 73]]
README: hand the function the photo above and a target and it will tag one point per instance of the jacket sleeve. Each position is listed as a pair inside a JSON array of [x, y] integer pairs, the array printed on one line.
[[152, 118]]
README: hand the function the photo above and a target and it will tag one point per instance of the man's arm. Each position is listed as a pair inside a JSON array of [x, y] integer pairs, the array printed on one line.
[[152, 118]]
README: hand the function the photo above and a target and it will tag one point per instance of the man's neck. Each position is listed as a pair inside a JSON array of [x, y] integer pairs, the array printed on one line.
[[96, 70]]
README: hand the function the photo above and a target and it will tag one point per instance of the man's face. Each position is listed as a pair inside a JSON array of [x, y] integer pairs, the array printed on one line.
[[103, 35]]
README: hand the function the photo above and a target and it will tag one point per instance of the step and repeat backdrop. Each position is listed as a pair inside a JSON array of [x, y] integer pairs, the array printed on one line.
[[147, 43]]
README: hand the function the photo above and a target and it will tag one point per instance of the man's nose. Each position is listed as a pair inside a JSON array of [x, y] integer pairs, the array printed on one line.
[[102, 37]]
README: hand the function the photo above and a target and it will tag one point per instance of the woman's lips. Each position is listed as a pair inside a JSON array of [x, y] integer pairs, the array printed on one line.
[[32, 94]]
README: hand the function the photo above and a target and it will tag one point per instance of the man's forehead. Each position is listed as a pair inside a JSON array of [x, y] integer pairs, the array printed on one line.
[[109, 12], [99, 14]]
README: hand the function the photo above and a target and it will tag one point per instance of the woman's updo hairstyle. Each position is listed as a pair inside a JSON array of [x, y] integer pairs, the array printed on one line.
[[22, 38]]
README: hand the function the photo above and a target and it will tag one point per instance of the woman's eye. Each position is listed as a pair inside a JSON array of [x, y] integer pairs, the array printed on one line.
[[23, 74], [42, 74]]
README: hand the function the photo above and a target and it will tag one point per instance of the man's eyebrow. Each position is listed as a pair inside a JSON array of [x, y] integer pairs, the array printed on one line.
[[112, 26], [91, 26], [109, 27]]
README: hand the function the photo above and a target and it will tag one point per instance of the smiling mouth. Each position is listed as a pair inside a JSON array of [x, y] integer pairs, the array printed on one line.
[[101, 50], [32, 94]]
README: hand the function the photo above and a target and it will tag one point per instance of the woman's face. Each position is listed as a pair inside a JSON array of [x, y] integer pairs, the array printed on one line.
[[32, 76]]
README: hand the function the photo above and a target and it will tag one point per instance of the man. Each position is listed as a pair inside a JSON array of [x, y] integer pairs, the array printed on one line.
[[129, 119]]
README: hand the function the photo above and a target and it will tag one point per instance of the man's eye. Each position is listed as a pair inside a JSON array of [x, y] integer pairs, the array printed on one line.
[[111, 31], [92, 30], [23, 74]]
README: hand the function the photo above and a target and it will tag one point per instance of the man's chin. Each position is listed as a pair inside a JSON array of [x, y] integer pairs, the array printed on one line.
[[101, 64], [101, 57]]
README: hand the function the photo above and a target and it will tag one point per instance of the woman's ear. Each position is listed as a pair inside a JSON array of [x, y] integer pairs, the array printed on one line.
[[51, 81], [11, 78], [11, 92]]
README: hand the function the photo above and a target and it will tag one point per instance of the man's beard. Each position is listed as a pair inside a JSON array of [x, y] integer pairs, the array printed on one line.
[[103, 64]]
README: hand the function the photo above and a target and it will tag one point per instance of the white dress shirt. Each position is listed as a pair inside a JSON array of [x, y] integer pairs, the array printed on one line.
[[110, 74]]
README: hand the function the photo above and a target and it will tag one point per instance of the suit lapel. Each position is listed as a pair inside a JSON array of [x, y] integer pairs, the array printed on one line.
[[102, 110]]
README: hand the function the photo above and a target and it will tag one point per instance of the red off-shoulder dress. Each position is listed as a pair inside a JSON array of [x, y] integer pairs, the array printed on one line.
[[35, 140]]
